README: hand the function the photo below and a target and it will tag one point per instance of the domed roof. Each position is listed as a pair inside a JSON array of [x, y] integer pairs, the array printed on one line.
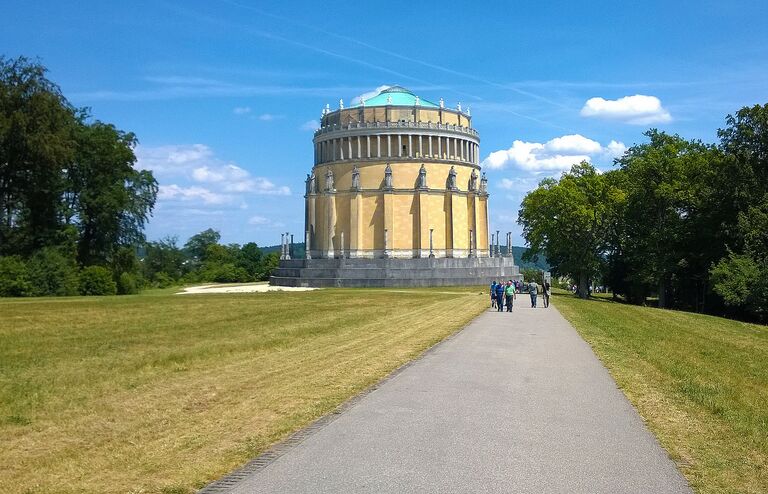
[[397, 96]]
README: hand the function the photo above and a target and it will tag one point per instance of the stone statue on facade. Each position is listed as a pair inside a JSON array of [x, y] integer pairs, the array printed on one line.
[[452, 179], [388, 177], [308, 184], [389, 100], [341, 104], [442, 103], [329, 187], [418, 101], [473, 181], [483, 185], [355, 178], [422, 183]]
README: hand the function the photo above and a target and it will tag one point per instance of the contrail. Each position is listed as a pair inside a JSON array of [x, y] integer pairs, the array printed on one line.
[[398, 55]]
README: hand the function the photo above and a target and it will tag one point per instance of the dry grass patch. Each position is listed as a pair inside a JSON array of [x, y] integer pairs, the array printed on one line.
[[700, 382], [162, 393]]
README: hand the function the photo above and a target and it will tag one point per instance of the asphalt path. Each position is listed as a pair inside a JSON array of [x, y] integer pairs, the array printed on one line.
[[516, 402]]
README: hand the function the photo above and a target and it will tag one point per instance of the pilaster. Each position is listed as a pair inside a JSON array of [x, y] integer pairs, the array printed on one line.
[[356, 226], [330, 198]]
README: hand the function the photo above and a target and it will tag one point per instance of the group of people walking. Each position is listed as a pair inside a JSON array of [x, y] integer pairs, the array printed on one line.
[[503, 295]]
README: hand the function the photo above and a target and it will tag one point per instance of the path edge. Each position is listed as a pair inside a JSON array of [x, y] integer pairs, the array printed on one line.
[[270, 455]]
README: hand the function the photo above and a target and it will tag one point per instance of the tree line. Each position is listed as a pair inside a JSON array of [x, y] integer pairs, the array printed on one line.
[[682, 221], [73, 206]]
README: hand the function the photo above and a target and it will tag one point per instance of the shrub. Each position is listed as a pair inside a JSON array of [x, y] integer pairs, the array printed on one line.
[[162, 280], [97, 280], [127, 285], [53, 273], [14, 277]]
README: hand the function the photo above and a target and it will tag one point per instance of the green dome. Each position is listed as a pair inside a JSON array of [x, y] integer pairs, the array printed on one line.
[[396, 96]]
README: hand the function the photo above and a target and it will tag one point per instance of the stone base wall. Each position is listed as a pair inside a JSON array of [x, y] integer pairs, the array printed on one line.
[[377, 273]]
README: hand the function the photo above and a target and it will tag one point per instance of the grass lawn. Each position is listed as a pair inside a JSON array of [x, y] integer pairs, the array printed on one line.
[[163, 393], [700, 382]]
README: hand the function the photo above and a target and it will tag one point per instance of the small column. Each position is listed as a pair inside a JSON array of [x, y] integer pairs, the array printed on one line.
[[430, 145], [400, 145], [421, 153], [439, 147], [471, 243], [410, 146], [290, 248], [498, 251], [431, 250], [349, 148], [282, 246], [387, 252], [359, 148], [389, 145], [307, 247], [493, 243], [341, 245], [378, 146], [287, 248], [368, 143]]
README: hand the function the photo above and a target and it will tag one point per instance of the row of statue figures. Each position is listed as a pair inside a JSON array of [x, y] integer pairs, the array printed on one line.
[[421, 183]]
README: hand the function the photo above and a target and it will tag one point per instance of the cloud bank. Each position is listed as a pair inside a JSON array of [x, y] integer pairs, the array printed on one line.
[[193, 174], [637, 110], [556, 154]]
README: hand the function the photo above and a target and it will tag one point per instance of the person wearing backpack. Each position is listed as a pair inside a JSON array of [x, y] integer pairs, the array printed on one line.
[[493, 294]]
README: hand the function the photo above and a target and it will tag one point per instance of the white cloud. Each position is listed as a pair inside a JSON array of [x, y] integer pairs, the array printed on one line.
[[194, 193], [268, 117], [194, 173], [258, 220], [638, 109], [212, 174], [242, 110], [615, 149], [258, 185], [369, 94], [310, 125], [559, 153]]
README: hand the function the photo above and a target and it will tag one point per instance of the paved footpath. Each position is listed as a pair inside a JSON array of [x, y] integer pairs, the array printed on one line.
[[514, 403]]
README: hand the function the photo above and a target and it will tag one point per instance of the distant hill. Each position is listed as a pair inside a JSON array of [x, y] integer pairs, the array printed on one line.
[[298, 252]]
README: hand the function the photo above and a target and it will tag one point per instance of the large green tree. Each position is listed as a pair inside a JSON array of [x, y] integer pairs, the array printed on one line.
[[571, 220], [667, 181], [64, 180], [109, 199], [37, 142]]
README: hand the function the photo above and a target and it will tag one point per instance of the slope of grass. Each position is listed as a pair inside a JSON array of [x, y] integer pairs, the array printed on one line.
[[700, 382], [163, 393]]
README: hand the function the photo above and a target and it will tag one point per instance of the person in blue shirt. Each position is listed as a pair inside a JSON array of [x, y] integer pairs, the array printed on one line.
[[500, 297], [493, 294]]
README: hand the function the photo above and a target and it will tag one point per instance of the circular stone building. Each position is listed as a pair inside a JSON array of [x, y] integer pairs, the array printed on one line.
[[397, 185]]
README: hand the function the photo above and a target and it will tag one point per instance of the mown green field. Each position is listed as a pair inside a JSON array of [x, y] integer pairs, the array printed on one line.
[[700, 382], [163, 393]]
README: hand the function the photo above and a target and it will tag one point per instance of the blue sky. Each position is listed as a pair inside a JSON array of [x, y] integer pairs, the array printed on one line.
[[223, 95]]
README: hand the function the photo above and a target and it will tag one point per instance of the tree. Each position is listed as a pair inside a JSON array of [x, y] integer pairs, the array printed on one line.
[[570, 220], [667, 186], [37, 142], [163, 261], [197, 245], [110, 200]]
